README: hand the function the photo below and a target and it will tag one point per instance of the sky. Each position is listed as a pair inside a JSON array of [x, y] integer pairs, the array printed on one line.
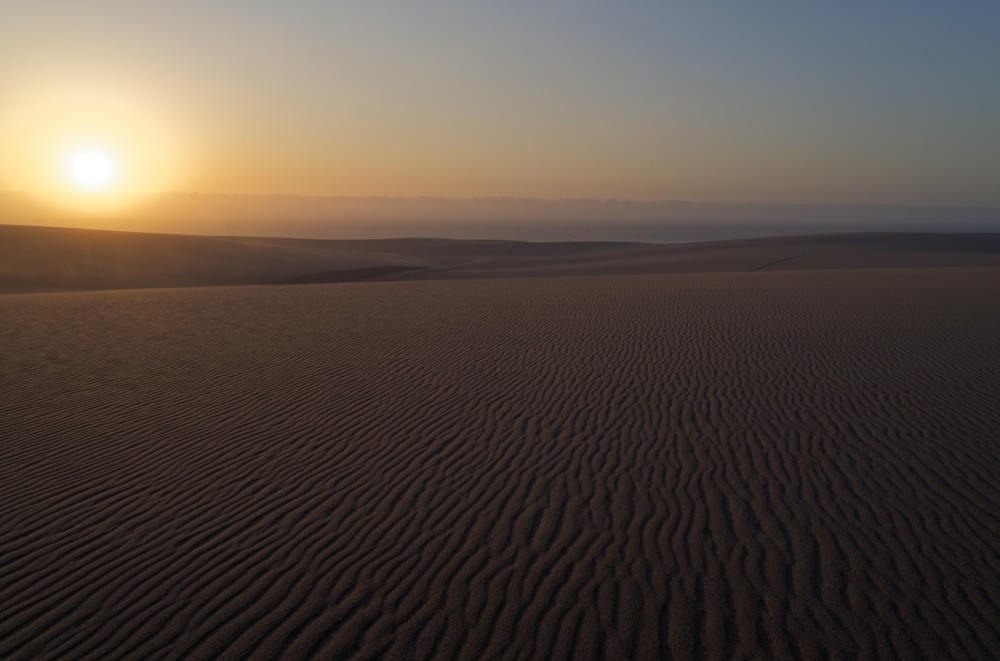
[[890, 102]]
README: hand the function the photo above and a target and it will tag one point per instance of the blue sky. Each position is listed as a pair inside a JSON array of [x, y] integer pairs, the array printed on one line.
[[730, 101]]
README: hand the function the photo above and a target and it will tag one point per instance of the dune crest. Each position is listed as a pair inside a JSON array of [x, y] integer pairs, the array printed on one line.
[[54, 259]]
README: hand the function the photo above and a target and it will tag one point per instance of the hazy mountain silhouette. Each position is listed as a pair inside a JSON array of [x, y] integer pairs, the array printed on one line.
[[498, 218]]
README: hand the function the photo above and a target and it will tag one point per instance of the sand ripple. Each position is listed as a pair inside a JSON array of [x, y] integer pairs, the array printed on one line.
[[784, 465]]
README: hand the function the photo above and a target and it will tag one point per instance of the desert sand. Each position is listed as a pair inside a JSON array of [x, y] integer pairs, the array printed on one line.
[[796, 461], [59, 259]]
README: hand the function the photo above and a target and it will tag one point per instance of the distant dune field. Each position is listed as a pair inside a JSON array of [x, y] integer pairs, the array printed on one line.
[[523, 219], [792, 464], [56, 259]]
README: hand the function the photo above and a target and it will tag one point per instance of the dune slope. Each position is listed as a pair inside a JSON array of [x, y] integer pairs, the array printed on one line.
[[775, 464], [58, 259], [50, 258]]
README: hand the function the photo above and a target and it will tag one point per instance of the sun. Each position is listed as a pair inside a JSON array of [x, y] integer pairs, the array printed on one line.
[[91, 169], [89, 145]]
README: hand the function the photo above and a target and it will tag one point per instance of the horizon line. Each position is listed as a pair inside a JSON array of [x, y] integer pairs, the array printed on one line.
[[507, 198]]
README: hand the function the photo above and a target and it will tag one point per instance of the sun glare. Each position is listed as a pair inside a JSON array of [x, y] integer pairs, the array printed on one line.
[[86, 147], [91, 169]]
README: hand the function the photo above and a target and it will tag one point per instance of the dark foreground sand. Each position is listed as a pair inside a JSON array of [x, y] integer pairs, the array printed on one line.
[[786, 465]]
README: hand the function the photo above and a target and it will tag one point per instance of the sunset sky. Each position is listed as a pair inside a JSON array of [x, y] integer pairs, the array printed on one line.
[[727, 101]]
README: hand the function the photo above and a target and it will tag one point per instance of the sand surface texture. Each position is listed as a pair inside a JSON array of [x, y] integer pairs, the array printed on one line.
[[58, 259], [797, 464]]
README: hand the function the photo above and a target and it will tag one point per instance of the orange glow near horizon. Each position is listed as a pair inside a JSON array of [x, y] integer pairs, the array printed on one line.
[[86, 147]]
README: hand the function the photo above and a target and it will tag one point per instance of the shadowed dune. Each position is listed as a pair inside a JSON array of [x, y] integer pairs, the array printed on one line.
[[845, 251], [786, 464], [53, 259], [48, 258]]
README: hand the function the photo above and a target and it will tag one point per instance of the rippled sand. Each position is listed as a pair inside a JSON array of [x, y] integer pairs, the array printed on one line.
[[785, 465]]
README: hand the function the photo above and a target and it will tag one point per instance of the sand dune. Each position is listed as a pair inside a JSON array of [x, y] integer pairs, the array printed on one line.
[[44, 258], [523, 219], [54, 259], [772, 464]]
